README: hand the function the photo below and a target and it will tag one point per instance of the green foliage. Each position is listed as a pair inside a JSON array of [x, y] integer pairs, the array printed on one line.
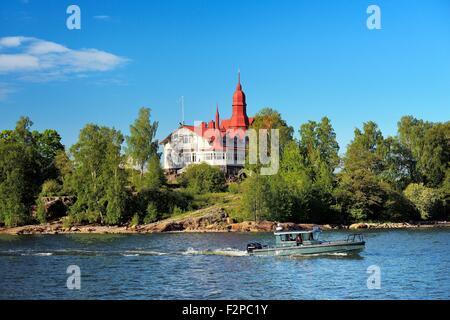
[[395, 178], [429, 144], [26, 161], [445, 195], [65, 168], [41, 214], [176, 210], [152, 214], [16, 193], [141, 146], [68, 221], [399, 164], [374, 170], [255, 201], [154, 205], [302, 190], [154, 177], [200, 201], [135, 220], [268, 118], [203, 178], [426, 200], [319, 148], [48, 145], [51, 188], [98, 178], [233, 187], [366, 151], [365, 198]]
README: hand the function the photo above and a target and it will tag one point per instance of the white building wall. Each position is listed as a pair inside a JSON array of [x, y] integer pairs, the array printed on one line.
[[186, 147]]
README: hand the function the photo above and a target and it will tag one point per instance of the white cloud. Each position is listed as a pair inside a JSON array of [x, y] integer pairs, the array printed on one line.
[[11, 42], [18, 62], [44, 47], [36, 59], [93, 60]]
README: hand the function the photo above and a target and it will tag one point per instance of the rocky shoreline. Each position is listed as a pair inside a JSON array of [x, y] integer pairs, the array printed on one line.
[[216, 221]]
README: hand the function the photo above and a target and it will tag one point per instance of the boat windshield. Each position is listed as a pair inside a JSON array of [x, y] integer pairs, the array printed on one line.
[[298, 237]]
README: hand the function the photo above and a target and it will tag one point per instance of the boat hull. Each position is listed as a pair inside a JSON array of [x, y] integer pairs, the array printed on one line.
[[332, 247]]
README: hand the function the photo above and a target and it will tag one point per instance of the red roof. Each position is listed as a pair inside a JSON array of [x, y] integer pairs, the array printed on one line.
[[236, 125]]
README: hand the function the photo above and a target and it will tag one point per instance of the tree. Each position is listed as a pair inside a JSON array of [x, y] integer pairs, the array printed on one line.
[[364, 191], [98, 176], [141, 144], [15, 200], [426, 200], [320, 150], [115, 178], [48, 145], [154, 177], [254, 199], [399, 164], [435, 159], [429, 144], [445, 195], [65, 169], [366, 151], [268, 118], [20, 173]]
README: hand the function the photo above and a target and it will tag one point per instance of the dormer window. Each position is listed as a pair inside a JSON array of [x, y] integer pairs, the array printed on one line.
[[186, 139]]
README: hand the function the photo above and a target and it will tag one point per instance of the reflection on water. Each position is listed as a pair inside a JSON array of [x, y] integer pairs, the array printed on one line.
[[414, 265]]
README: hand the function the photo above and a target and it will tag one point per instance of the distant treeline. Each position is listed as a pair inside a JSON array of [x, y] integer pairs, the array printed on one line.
[[115, 179], [400, 178]]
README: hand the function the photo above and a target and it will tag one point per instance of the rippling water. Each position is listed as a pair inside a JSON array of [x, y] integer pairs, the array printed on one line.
[[415, 264]]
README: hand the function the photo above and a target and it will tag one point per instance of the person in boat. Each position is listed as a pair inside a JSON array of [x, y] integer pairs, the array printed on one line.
[[298, 239]]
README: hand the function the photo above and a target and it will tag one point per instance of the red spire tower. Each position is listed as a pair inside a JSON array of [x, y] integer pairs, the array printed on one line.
[[239, 117]]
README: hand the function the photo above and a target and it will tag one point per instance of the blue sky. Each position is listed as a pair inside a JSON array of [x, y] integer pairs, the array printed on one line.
[[307, 59]]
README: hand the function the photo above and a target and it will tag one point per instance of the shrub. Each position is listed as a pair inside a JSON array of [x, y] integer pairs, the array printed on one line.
[[203, 178], [51, 188], [135, 220], [426, 200], [41, 214], [177, 210], [68, 221], [152, 214], [233, 187]]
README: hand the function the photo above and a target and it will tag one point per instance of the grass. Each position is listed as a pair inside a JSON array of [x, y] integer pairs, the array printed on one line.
[[203, 203]]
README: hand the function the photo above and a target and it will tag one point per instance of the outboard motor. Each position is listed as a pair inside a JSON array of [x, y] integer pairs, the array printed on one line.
[[252, 246]]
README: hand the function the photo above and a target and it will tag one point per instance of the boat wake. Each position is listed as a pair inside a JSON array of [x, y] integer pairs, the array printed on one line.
[[76, 252], [219, 252], [229, 252], [123, 253], [324, 254]]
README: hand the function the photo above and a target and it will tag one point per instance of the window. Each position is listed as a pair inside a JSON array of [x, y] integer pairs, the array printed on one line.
[[287, 237], [186, 139]]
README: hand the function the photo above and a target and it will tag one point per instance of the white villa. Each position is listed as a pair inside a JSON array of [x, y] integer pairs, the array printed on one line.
[[220, 143]]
